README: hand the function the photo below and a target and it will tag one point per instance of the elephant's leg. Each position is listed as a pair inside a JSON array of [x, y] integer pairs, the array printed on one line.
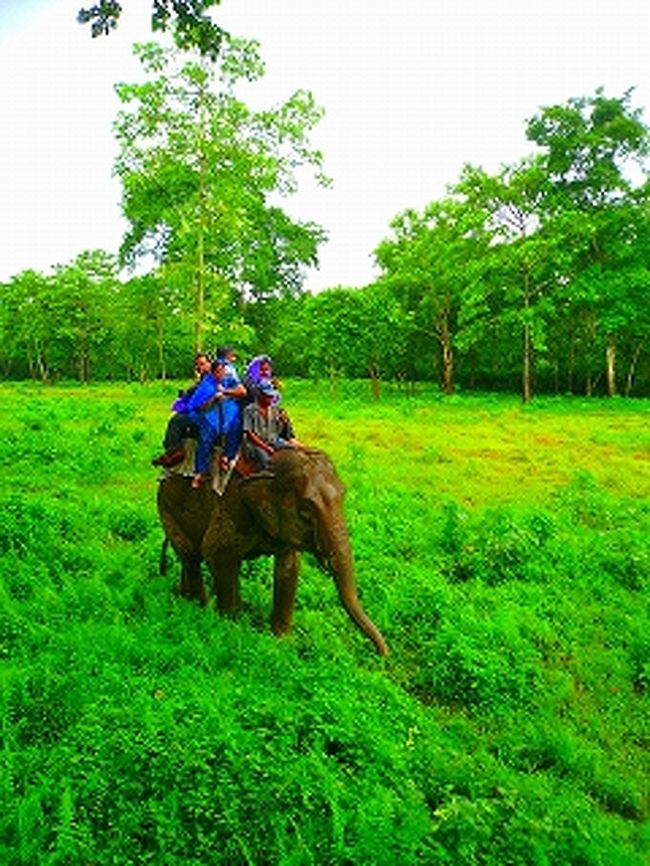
[[285, 581], [225, 575], [191, 583]]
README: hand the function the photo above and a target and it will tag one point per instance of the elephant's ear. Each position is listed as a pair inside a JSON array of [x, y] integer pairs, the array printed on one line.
[[260, 495]]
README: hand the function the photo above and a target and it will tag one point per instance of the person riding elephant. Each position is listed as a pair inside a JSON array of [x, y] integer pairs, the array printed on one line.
[[258, 372], [266, 428], [180, 425], [297, 506], [214, 407]]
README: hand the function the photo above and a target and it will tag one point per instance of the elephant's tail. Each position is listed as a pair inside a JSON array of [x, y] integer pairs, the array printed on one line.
[[162, 567]]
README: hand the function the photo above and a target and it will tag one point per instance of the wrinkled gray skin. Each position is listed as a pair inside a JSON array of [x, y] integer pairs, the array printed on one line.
[[299, 507]]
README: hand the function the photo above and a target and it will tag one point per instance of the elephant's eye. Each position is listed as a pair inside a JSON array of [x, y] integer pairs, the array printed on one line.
[[305, 510]]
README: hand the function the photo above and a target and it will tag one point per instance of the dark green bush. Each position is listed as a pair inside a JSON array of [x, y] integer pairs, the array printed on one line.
[[129, 524], [496, 547]]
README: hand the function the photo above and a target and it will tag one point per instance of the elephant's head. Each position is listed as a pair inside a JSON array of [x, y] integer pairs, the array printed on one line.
[[301, 505]]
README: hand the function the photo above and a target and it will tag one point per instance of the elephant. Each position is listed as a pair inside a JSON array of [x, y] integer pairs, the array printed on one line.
[[295, 506]]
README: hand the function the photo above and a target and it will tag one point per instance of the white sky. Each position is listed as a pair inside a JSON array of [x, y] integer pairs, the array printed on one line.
[[412, 90]]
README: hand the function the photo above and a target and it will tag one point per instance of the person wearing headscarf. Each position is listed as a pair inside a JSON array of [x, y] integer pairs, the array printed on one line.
[[260, 370]]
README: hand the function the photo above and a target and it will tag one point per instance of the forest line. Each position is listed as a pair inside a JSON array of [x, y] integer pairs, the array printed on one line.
[[533, 279]]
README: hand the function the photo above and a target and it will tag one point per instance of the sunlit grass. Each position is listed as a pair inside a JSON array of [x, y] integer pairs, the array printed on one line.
[[483, 451]]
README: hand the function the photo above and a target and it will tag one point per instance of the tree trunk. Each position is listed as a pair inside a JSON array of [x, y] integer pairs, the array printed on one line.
[[610, 357], [527, 390], [42, 364], [373, 369], [571, 361], [632, 369], [447, 350], [200, 264], [83, 360], [590, 330], [447, 364], [160, 344]]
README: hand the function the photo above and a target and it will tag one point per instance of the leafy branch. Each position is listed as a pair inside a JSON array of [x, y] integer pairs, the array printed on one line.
[[187, 20]]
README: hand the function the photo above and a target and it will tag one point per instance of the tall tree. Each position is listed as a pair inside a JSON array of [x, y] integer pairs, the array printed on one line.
[[85, 292], [606, 286], [27, 323], [201, 172], [428, 264], [518, 264], [595, 152]]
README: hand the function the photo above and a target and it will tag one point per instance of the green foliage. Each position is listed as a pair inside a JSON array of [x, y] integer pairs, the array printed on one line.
[[507, 726], [589, 142], [350, 332], [534, 279], [550, 254], [428, 265], [190, 26]]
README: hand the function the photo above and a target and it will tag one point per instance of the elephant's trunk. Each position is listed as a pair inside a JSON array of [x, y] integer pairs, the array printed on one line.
[[336, 553]]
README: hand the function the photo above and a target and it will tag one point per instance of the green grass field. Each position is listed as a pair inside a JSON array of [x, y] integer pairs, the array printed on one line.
[[503, 551]]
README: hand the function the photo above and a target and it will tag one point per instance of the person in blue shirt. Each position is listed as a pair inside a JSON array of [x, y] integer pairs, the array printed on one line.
[[228, 357], [214, 407], [180, 426], [232, 408]]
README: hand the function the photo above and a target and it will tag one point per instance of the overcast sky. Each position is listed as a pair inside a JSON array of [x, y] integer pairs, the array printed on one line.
[[412, 90]]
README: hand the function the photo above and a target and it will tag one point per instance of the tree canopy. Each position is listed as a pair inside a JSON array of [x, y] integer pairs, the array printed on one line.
[[550, 262], [202, 174]]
